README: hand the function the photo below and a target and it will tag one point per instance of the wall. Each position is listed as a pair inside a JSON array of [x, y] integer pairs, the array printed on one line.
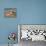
[[7, 25], [28, 12], [33, 12]]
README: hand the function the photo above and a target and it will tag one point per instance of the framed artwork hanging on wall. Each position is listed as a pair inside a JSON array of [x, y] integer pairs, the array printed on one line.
[[10, 12]]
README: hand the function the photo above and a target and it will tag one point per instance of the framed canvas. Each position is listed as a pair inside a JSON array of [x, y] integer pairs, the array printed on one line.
[[10, 12]]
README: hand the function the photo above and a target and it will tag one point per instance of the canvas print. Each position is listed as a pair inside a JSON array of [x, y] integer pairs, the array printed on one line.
[[10, 12]]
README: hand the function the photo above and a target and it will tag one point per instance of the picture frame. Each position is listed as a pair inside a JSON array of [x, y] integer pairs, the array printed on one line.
[[10, 12]]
